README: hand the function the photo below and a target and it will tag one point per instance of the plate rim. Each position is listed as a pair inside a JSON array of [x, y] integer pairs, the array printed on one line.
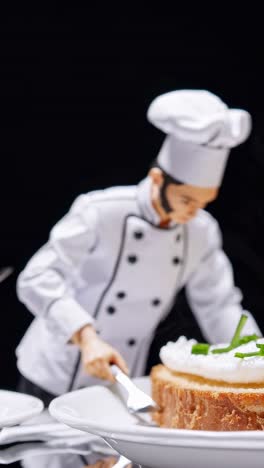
[[25, 414], [143, 434]]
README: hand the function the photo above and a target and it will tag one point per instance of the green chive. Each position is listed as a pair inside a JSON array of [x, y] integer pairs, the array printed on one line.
[[260, 346], [257, 353], [235, 342], [221, 350], [200, 348], [243, 355], [247, 338]]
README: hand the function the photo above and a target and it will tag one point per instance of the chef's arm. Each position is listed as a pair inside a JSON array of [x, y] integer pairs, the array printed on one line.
[[211, 293], [45, 286]]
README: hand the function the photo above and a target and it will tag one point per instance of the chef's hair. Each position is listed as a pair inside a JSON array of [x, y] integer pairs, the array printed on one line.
[[168, 179]]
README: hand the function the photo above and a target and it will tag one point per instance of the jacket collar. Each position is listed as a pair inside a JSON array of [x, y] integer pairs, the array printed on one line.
[[144, 200]]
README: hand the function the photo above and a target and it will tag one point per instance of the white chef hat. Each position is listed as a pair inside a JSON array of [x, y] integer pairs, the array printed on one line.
[[201, 130]]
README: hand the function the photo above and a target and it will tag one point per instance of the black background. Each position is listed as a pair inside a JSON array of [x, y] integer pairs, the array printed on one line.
[[75, 84]]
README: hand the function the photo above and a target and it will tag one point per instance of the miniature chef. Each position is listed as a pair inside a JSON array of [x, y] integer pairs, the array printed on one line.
[[113, 265]]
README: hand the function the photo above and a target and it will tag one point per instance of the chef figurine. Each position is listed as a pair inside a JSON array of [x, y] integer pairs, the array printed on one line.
[[113, 265]]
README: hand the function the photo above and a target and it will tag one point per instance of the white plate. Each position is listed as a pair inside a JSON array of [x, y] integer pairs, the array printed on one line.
[[99, 410], [16, 408]]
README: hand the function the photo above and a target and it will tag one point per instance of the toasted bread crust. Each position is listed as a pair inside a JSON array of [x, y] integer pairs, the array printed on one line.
[[190, 402]]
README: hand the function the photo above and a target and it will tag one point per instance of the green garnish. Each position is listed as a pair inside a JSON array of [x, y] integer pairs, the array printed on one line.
[[221, 350], [260, 346], [244, 340], [243, 355], [236, 340], [200, 348], [247, 338], [258, 353]]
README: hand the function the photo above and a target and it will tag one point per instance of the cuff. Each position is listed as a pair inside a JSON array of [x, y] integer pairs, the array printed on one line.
[[65, 317]]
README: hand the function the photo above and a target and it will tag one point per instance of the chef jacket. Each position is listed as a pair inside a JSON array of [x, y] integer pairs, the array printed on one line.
[[108, 263]]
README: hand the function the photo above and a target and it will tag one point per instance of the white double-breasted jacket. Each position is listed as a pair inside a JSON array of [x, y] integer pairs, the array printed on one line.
[[107, 263]]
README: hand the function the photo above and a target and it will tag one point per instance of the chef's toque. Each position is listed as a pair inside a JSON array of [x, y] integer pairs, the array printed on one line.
[[200, 130]]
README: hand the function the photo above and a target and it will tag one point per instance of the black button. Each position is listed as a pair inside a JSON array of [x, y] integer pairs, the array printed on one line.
[[111, 309], [138, 234], [131, 342], [132, 258], [176, 260], [121, 295], [178, 237], [156, 302]]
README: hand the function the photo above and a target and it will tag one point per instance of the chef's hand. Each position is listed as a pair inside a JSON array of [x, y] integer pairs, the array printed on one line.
[[97, 355]]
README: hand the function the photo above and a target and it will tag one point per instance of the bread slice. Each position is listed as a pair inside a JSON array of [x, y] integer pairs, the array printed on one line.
[[187, 401]]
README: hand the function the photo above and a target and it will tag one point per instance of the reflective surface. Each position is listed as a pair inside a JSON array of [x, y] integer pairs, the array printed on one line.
[[42, 442], [60, 453]]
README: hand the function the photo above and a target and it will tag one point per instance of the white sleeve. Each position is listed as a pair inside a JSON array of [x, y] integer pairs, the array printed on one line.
[[45, 286], [211, 293]]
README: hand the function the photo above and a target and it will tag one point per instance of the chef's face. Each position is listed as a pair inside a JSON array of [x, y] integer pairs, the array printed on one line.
[[184, 200]]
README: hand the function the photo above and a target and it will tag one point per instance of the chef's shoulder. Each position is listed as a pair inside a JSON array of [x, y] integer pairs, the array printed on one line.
[[110, 202], [204, 230]]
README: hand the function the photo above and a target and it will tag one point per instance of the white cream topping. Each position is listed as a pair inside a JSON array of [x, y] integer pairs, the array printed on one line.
[[225, 367]]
